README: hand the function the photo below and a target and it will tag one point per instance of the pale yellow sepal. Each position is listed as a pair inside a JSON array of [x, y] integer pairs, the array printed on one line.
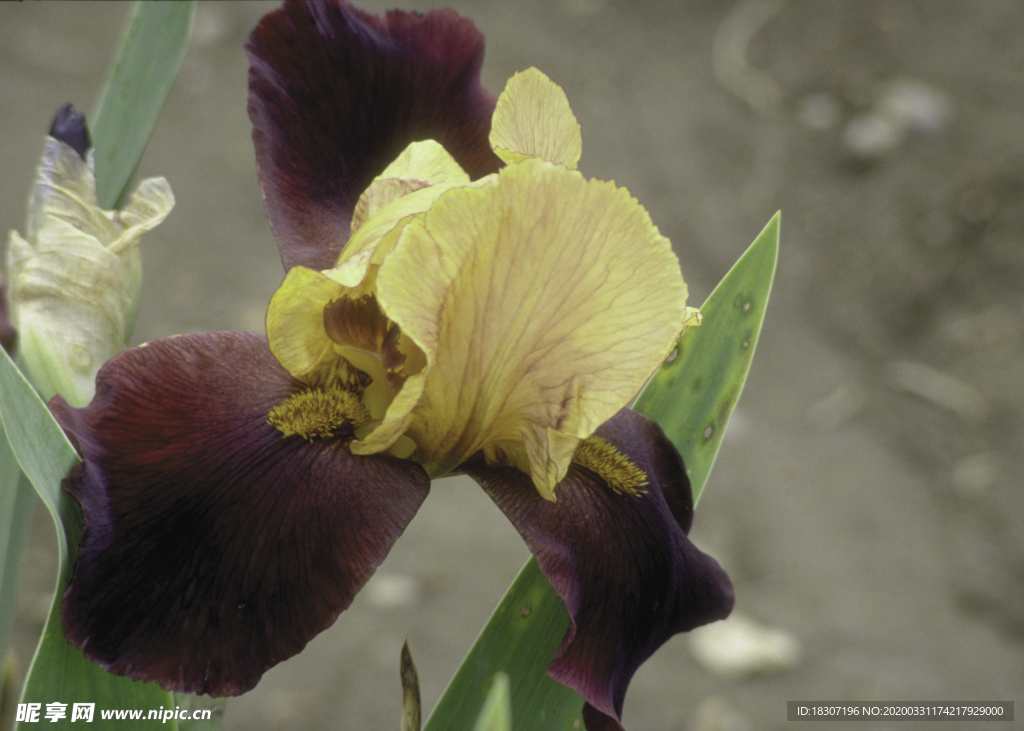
[[542, 303], [75, 277], [532, 118]]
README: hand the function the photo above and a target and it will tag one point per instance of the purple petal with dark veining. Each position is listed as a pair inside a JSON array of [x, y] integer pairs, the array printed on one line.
[[335, 94], [629, 576], [214, 547]]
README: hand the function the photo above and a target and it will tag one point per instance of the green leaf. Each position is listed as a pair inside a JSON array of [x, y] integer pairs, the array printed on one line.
[[16, 500], [519, 639], [695, 390], [146, 66], [496, 715], [692, 396], [134, 94], [59, 672], [40, 447]]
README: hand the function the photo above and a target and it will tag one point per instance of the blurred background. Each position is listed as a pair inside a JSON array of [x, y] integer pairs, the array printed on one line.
[[868, 497]]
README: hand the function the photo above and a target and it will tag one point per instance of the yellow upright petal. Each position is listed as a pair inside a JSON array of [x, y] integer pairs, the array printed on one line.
[[542, 303], [407, 187], [533, 119], [420, 165]]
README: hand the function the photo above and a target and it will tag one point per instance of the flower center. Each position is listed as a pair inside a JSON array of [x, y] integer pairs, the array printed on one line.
[[349, 360]]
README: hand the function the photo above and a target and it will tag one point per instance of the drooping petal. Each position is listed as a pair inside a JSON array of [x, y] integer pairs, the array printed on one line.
[[214, 547], [335, 94], [629, 576], [533, 119], [524, 360]]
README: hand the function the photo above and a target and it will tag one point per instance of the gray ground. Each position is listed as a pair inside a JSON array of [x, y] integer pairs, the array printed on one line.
[[867, 500]]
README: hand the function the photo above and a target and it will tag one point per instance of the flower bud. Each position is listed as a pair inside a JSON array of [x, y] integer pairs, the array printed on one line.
[[74, 279]]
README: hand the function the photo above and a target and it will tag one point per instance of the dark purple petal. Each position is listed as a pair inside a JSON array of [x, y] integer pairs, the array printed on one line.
[[335, 94], [629, 576], [214, 547], [8, 335]]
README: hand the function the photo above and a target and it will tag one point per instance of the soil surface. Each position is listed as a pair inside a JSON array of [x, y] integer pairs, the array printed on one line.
[[868, 497]]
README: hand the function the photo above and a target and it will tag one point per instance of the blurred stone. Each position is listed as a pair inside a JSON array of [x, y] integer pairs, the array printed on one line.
[[583, 7], [915, 105], [741, 646], [872, 135], [211, 25], [902, 106], [392, 591], [837, 408]]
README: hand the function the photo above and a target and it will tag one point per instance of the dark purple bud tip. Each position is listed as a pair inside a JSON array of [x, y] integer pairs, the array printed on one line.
[[7, 332], [69, 127]]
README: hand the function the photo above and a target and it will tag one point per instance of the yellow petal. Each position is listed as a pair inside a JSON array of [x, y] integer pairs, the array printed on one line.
[[542, 303], [406, 188], [421, 164], [533, 119], [375, 237]]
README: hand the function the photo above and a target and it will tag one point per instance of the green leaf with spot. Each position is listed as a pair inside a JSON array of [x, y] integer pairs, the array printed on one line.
[[695, 390], [692, 396]]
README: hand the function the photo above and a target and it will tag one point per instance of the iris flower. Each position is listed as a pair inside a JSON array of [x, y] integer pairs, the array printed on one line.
[[458, 299]]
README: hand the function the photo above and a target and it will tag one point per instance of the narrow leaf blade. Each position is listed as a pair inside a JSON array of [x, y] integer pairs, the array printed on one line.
[[143, 74], [133, 96], [519, 639], [60, 673], [496, 715], [692, 396], [16, 501]]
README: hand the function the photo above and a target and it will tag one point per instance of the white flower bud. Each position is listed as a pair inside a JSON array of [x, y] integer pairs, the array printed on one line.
[[74, 279]]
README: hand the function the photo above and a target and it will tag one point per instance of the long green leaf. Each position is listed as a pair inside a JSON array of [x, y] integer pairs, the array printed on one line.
[[60, 673], [16, 501], [520, 639], [691, 397], [141, 78], [135, 92], [496, 715]]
